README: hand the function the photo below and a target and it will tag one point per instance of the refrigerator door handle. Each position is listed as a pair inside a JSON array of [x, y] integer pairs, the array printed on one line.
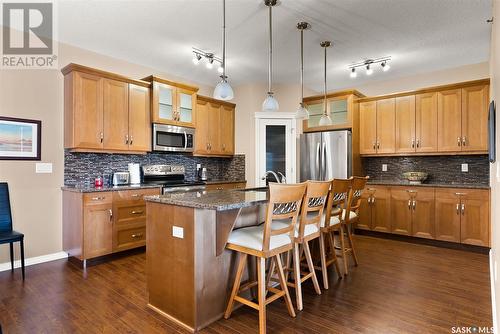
[[318, 151], [323, 161]]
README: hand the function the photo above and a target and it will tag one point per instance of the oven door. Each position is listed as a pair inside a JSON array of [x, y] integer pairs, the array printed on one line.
[[170, 138]]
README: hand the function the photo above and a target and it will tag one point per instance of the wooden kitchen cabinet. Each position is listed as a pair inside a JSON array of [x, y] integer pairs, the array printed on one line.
[[172, 103], [402, 201], [101, 223], [368, 127], [426, 122], [214, 127], [423, 219], [475, 217], [365, 211], [405, 124], [447, 215], [450, 120], [475, 102], [375, 210], [105, 112]]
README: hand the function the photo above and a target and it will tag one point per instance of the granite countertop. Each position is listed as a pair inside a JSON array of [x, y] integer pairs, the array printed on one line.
[[215, 181], [91, 189], [214, 200], [435, 185]]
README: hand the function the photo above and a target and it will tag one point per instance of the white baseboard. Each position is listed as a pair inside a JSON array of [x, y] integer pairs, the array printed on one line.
[[493, 295], [34, 260]]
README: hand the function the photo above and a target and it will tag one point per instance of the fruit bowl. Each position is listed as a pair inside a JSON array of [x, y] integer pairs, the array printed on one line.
[[415, 177]]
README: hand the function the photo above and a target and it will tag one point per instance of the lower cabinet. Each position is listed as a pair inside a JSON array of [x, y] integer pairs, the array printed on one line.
[[101, 223], [447, 214], [226, 186]]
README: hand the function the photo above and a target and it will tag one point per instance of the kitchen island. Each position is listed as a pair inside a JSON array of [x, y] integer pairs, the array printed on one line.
[[189, 271]]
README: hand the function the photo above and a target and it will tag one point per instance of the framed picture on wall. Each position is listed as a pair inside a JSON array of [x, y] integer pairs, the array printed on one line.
[[20, 139]]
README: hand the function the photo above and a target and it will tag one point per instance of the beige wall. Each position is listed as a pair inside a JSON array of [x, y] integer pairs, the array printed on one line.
[[38, 94], [443, 77], [495, 168]]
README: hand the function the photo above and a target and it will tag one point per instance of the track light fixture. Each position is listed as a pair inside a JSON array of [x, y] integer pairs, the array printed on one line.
[[209, 57], [368, 64]]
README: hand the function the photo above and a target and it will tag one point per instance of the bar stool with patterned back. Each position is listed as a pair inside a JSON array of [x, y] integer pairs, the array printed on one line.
[[348, 221], [337, 199], [264, 242], [307, 229], [7, 234]]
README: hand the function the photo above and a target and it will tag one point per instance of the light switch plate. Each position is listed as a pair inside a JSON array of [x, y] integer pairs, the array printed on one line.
[[384, 167], [465, 168], [43, 168], [178, 232]]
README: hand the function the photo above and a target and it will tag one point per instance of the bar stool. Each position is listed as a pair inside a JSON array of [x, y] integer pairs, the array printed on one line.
[[337, 199], [263, 242], [348, 221], [306, 230]]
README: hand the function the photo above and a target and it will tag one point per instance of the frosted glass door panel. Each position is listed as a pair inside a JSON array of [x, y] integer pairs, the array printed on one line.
[[186, 107]]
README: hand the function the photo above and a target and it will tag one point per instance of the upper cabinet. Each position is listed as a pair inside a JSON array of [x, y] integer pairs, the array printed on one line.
[[340, 107], [172, 103], [214, 127], [449, 119], [105, 112]]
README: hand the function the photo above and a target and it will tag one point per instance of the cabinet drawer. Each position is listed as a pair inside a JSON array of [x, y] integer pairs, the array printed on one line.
[[130, 213], [225, 186], [97, 198], [134, 195], [129, 238]]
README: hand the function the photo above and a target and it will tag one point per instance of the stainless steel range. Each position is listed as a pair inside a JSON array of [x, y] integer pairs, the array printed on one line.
[[172, 178]]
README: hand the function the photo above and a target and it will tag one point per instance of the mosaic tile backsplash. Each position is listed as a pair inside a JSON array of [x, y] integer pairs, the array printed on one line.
[[81, 168], [441, 169]]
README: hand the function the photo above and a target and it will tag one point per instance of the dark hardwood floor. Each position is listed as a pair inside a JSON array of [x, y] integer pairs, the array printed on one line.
[[398, 288]]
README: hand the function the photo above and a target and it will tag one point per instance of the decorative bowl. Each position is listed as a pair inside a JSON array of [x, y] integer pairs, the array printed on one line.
[[415, 177]]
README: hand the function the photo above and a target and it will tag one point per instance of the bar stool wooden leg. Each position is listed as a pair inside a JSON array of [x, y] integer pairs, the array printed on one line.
[[310, 264], [351, 244], [297, 278], [342, 246], [284, 287], [322, 254], [331, 240], [261, 279], [270, 273], [236, 286]]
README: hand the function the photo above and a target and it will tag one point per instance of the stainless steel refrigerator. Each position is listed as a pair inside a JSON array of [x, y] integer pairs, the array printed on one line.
[[325, 155]]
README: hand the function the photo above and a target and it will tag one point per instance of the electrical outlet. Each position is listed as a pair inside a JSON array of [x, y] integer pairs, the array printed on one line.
[[465, 168], [384, 167], [178, 232]]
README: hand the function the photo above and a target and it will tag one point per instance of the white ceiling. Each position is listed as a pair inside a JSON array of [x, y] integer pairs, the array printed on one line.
[[420, 35]]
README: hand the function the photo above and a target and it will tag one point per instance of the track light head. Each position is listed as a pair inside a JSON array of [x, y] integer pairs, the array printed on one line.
[[353, 73], [196, 59], [385, 66], [369, 71]]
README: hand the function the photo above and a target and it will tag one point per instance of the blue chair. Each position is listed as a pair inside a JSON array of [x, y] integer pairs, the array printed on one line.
[[7, 235]]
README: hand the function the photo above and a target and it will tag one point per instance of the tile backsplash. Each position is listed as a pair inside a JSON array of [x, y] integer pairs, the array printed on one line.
[[441, 169], [81, 168]]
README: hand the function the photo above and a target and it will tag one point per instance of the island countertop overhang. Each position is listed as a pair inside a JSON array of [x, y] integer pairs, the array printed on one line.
[[221, 200]]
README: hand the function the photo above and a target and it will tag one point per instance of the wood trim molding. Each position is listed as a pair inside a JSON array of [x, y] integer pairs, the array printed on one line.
[[207, 99], [334, 94], [428, 90], [411, 154], [89, 70], [152, 78]]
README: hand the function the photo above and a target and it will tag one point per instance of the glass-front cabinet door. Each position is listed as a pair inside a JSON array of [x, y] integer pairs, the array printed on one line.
[[186, 100], [166, 107]]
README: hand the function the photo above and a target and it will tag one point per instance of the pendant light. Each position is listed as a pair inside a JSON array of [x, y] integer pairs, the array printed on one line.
[[302, 111], [325, 119], [223, 90], [270, 103]]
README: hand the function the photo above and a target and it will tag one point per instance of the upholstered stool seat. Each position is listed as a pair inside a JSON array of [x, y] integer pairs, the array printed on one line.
[[252, 237]]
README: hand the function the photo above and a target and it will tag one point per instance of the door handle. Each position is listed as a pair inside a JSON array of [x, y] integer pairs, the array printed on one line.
[[418, 143], [110, 215], [101, 137], [131, 139], [138, 235], [139, 212], [458, 209], [413, 143], [409, 204], [126, 139], [185, 140], [464, 141], [459, 141], [323, 160], [318, 153], [414, 205], [378, 145], [374, 145], [463, 209]]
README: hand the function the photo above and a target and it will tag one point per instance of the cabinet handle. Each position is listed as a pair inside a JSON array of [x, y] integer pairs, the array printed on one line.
[[459, 141], [374, 145], [458, 209], [418, 143], [102, 137], [464, 141], [409, 204], [223, 147], [135, 195], [413, 143], [110, 215], [414, 205], [98, 198], [463, 209], [138, 235], [139, 212], [126, 139], [373, 200], [378, 145], [131, 139], [460, 194]]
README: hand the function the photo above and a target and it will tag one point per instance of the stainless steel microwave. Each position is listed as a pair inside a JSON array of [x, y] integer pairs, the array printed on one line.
[[170, 138]]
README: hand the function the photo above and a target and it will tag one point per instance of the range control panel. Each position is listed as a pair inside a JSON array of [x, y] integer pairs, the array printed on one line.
[[163, 170]]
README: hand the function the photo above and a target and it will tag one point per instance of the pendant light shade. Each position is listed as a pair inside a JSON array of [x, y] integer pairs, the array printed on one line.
[[270, 103], [302, 111], [325, 118], [223, 90]]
